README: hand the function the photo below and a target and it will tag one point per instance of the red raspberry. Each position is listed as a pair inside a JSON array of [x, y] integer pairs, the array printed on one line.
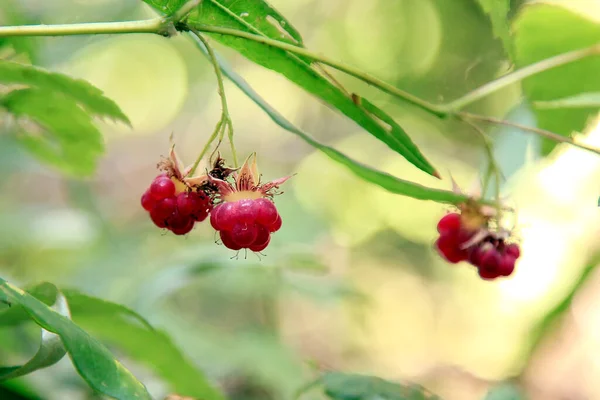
[[162, 187], [449, 223], [275, 226], [507, 265], [260, 247], [266, 213], [489, 264], [163, 210], [147, 200], [180, 224], [244, 234], [449, 248], [263, 236], [228, 241], [196, 205], [513, 250], [224, 216]]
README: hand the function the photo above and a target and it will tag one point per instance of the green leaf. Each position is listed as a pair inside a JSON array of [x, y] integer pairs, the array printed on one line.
[[498, 10], [67, 139], [122, 327], [79, 91], [340, 386], [51, 349], [92, 360], [505, 391], [257, 17], [543, 31], [382, 179], [583, 100]]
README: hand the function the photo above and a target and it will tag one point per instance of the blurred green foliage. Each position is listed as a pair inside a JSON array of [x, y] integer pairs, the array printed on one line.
[[350, 282]]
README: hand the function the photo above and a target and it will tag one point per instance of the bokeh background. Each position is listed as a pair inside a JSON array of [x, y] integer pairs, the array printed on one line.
[[351, 281]]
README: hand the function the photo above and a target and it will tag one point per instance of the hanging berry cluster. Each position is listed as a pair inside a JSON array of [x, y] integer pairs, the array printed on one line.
[[467, 236], [241, 209]]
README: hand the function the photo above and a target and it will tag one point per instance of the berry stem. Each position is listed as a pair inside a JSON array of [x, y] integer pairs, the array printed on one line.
[[225, 123], [167, 25], [211, 139], [493, 167]]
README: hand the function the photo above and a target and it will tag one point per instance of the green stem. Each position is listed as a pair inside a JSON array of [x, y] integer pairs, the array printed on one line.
[[211, 139], [493, 165], [225, 118], [540, 132], [163, 25], [350, 70], [520, 75], [155, 25]]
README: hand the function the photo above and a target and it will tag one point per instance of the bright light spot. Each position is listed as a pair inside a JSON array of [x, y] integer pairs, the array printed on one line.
[[543, 248]]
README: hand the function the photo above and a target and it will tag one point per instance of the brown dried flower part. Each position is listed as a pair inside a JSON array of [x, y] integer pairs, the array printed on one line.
[[477, 217], [178, 173], [246, 183]]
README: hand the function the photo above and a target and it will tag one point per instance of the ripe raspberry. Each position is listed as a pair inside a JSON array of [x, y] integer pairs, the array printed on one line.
[[147, 200], [489, 264], [163, 210], [450, 250], [247, 216], [244, 234], [266, 213], [260, 247], [162, 187], [513, 250], [196, 205], [507, 265], [263, 236], [449, 223], [228, 241], [275, 226], [246, 211], [180, 224]]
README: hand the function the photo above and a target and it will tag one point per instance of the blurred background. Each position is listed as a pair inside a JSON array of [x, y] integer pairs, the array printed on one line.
[[351, 281]]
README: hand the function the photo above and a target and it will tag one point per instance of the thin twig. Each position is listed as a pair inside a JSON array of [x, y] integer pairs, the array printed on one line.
[[540, 132], [519, 75]]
